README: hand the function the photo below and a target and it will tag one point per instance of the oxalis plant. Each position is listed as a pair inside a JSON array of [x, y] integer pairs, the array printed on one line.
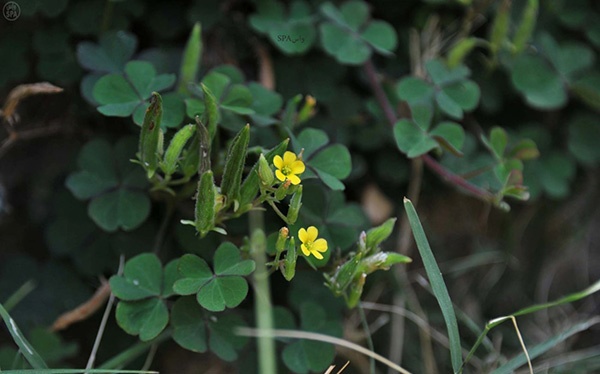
[[252, 191]]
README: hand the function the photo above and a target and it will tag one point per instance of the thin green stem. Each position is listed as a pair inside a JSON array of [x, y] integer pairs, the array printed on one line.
[[19, 295], [281, 215], [363, 320], [263, 307]]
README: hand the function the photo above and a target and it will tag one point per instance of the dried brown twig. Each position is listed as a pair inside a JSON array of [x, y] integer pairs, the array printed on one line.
[[22, 91]]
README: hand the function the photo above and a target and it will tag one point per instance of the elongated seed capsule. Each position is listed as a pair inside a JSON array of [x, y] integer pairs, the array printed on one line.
[[526, 27], [234, 167], [295, 205], [204, 149], [500, 27], [205, 204], [175, 148], [150, 135]]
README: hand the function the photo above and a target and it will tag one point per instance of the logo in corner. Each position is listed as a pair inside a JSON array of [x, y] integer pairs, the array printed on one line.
[[11, 11]]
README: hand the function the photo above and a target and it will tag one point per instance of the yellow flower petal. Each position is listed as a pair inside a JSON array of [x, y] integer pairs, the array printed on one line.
[[278, 162], [280, 175], [297, 167], [317, 255], [305, 250], [312, 233], [319, 245], [303, 236], [294, 179], [289, 157]]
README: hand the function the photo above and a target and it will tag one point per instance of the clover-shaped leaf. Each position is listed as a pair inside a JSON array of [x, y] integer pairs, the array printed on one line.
[[451, 89], [536, 80], [544, 78], [306, 356], [195, 330], [114, 186], [265, 104], [225, 288], [329, 163], [122, 95], [141, 289], [233, 98], [414, 138], [292, 33], [111, 53], [350, 37], [93, 251]]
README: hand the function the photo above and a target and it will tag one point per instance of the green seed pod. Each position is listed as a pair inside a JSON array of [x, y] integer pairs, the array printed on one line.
[[282, 190], [150, 135], [264, 172], [289, 265], [204, 149], [191, 157], [171, 158], [190, 63], [289, 118], [377, 235], [234, 167], [526, 27], [356, 289], [205, 204], [212, 111], [500, 27], [343, 275], [460, 50], [295, 205], [282, 239]]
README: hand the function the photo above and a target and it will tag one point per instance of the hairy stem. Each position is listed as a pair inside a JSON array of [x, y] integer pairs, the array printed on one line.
[[263, 308]]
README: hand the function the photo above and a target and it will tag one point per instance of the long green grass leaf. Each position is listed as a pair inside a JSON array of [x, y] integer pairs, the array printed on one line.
[[34, 359], [437, 284], [534, 308], [539, 349]]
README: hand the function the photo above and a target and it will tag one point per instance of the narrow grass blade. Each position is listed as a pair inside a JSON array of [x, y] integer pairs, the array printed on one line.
[[19, 295], [34, 359], [539, 349], [534, 308], [131, 353], [437, 284]]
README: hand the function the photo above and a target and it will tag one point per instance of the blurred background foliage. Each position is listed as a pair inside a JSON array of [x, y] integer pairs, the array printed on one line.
[[471, 78]]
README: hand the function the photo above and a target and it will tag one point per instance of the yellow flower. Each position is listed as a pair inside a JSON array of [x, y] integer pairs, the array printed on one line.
[[310, 244], [288, 167]]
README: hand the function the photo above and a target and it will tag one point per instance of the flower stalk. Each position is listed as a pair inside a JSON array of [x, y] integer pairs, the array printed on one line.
[[263, 308]]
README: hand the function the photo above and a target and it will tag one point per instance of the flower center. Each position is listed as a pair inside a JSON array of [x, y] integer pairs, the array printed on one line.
[[308, 244], [286, 170]]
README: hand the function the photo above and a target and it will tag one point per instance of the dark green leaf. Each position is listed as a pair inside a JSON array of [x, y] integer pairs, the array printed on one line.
[[146, 318]]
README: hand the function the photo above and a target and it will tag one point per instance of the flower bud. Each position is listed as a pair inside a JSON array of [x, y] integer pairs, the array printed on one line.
[[289, 264], [308, 110], [282, 191], [264, 172], [282, 239]]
